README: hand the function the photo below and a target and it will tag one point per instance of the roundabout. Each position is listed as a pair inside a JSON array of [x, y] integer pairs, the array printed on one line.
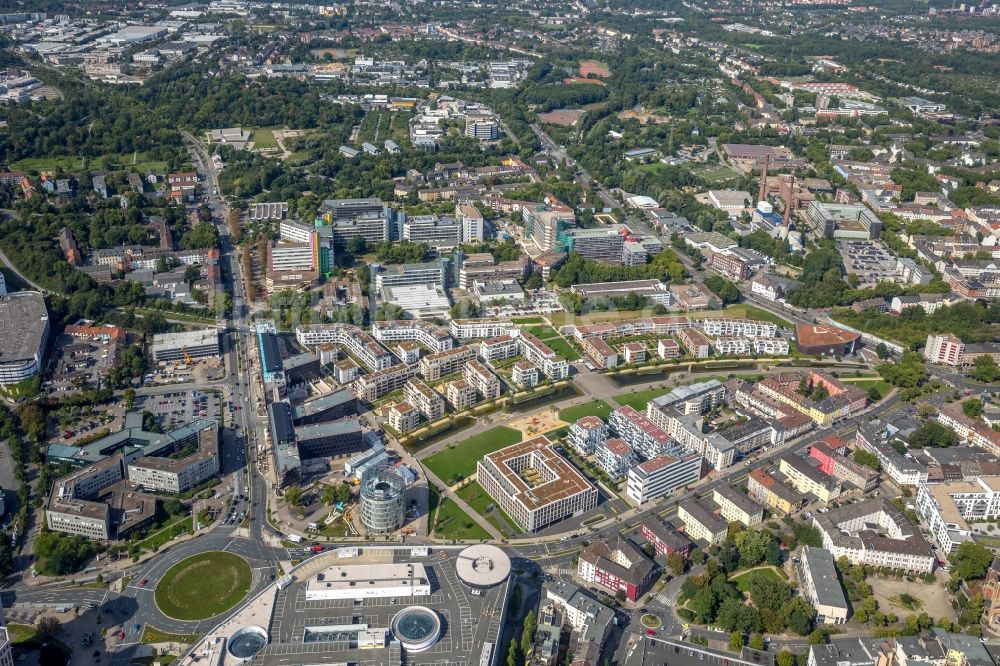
[[650, 621], [203, 586]]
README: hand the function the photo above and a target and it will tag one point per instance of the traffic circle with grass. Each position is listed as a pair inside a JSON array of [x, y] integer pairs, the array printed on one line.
[[203, 586], [650, 621]]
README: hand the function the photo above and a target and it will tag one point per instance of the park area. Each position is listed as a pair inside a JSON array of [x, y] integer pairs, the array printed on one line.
[[449, 521], [203, 586], [140, 162], [458, 461], [476, 497], [743, 579]]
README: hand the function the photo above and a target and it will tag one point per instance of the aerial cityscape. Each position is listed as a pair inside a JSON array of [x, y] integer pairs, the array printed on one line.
[[589, 333]]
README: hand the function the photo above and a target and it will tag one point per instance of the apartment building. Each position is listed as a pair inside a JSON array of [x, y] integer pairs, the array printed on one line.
[[731, 346], [819, 584], [355, 341], [975, 432], [476, 329], [534, 485], [441, 364], [749, 328], [552, 365], [371, 387], [769, 346], [666, 325], [403, 417], [427, 401], [461, 394], [615, 457], [587, 434], [876, 533], [807, 479], [696, 344], [499, 348], [668, 349], [842, 400], [701, 523], [663, 475], [840, 467], [951, 507], [666, 538], [616, 565], [482, 380], [646, 439], [773, 493], [525, 375], [734, 506], [902, 469], [430, 336], [600, 352]]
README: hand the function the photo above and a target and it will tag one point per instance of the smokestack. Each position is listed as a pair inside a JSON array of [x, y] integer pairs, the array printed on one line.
[[763, 178]]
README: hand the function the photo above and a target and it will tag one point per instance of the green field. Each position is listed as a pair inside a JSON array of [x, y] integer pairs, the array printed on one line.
[[528, 320], [543, 332], [202, 586], [881, 385], [454, 464], [476, 497], [637, 399], [753, 312], [263, 139], [744, 579], [139, 161], [597, 408]]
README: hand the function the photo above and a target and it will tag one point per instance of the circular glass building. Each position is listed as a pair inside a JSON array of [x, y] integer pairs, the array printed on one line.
[[383, 501], [416, 628], [247, 642]]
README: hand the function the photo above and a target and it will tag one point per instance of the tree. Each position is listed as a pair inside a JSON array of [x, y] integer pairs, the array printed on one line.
[[703, 605], [874, 395], [727, 291], [528, 633], [867, 459], [734, 615], [753, 545], [909, 372], [773, 556], [203, 235], [736, 641], [129, 399], [973, 408], [786, 658], [986, 369], [798, 616], [6, 559], [293, 495], [756, 642], [465, 309], [676, 563], [970, 561], [48, 625], [192, 273], [882, 351], [356, 245]]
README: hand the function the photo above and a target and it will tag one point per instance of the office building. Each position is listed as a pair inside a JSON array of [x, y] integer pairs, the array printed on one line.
[[186, 345], [534, 485], [808, 479], [662, 475], [24, 331], [665, 538]]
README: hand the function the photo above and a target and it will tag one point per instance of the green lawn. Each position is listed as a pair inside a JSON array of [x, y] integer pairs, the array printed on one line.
[[154, 635], [744, 579], [174, 528], [638, 399], [528, 320], [454, 464], [476, 497], [451, 522], [203, 586], [753, 312], [21, 633], [713, 175], [543, 332], [597, 408], [881, 385], [563, 348]]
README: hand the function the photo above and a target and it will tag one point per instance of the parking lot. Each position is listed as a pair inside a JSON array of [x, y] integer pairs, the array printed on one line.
[[173, 410]]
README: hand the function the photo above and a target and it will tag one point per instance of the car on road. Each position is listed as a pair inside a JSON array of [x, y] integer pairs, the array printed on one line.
[[143, 582], [650, 632], [121, 635]]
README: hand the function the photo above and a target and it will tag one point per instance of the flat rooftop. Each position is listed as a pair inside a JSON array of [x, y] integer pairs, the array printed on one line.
[[23, 324], [364, 576]]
